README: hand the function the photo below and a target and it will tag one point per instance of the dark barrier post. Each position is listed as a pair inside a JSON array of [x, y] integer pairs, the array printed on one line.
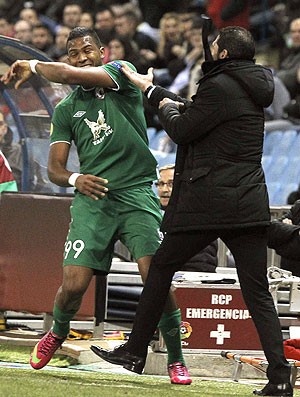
[[100, 305]]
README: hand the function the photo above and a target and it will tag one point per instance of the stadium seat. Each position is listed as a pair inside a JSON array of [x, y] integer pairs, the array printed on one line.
[[273, 188], [281, 195], [38, 150], [169, 159], [266, 161], [286, 143], [295, 149], [292, 174], [272, 139], [276, 169], [154, 141], [278, 125], [163, 158], [151, 131]]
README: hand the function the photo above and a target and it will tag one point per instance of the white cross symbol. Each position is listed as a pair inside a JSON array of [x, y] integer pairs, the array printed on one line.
[[220, 334]]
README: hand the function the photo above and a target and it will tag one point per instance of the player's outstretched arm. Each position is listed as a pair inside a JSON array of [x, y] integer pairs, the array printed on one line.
[[57, 72]]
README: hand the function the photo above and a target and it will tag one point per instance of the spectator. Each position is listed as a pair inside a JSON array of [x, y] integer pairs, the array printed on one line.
[[42, 38], [105, 19], [10, 10], [170, 49], [71, 15], [87, 20], [289, 69], [50, 9], [105, 25], [289, 73], [126, 25], [277, 110], [30, 15], [170, 36], [183, 72], [293, 9], [6, 28], [285, 240], [207, 259], [185, 83], [7, 182], [186, 22], [58, 51], [269, 22], [293, 196], [42, 6], [12, 151], [23, 31], [197, 58], [121, 48]]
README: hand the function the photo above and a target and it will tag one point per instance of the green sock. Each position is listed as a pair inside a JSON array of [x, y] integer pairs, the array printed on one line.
[[62, 320], [169, 326]]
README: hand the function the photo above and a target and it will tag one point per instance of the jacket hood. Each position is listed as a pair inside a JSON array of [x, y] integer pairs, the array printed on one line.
[[256, 80]]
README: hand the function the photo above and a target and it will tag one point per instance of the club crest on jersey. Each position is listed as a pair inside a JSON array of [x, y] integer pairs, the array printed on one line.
[[99, 129], [99, 93], [79, 113]]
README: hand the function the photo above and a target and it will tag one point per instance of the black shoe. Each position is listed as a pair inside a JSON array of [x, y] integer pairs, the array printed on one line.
[[120, 356], [281, 390]]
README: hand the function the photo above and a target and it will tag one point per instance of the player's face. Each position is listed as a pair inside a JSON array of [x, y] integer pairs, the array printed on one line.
[[84, 52]]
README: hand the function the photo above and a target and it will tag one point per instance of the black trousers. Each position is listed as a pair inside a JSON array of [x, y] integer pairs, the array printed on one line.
[[249, 248]]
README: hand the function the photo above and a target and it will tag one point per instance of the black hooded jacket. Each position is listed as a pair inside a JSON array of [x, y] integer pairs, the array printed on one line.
[[219, 182]]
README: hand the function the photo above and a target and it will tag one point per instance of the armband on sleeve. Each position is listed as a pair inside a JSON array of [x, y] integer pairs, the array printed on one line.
[[149, 91]]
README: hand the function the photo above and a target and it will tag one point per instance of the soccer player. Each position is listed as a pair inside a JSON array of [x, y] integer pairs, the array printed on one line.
[[113, 200]]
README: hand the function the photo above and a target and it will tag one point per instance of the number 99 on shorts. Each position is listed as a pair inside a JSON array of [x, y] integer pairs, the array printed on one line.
[[77, 247]]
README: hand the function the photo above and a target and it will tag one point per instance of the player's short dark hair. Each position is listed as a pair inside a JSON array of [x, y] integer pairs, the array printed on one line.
[[81, 31], [237, 41]]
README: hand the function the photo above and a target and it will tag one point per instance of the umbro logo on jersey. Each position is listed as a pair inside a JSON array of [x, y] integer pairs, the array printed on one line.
[[79, 113]]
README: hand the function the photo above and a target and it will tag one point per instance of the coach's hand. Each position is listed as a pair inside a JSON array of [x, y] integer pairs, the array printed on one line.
[[92, 186]]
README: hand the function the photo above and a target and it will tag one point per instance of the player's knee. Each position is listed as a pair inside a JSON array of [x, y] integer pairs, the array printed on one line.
[[74, 290]]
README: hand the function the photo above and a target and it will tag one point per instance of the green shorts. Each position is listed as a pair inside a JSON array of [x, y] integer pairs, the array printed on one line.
[[132, 216]]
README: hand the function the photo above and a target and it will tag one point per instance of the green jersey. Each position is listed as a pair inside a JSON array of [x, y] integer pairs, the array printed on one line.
[[109, 130]]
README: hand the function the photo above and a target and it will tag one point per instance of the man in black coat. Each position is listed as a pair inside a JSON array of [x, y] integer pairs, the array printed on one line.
[[219, 191], [207, 259]]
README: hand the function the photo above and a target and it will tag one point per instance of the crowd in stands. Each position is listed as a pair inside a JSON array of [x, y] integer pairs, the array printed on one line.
[[162, 34], [167, 36]]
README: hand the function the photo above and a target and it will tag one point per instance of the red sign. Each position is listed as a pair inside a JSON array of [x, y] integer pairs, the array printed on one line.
[[215, 318]]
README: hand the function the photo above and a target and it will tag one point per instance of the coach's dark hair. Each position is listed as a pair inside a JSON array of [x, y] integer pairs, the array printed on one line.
[[81, 31], [237, 41]]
